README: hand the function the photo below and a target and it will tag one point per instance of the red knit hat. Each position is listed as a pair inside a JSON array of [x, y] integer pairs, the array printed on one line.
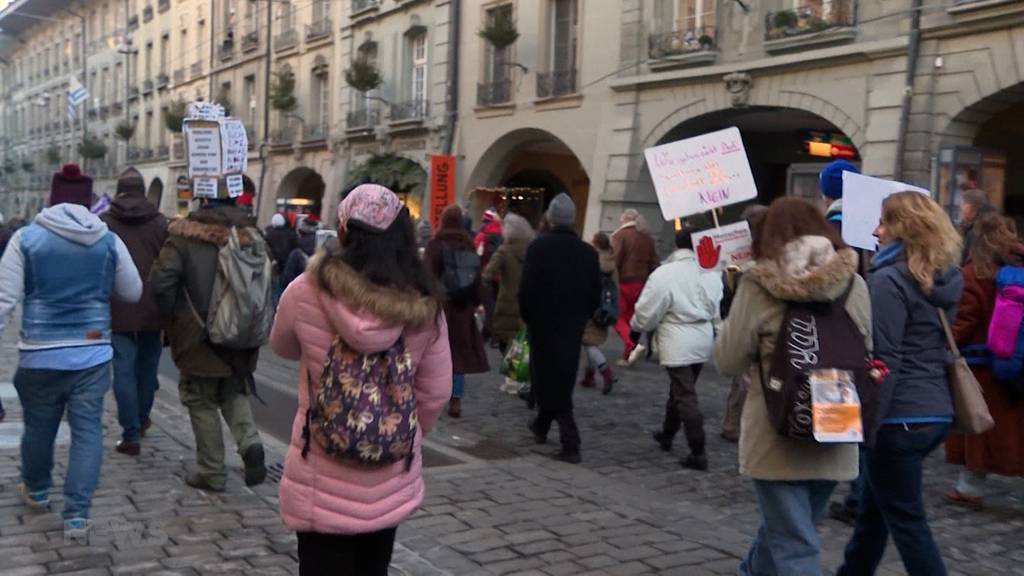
[[70, 186]]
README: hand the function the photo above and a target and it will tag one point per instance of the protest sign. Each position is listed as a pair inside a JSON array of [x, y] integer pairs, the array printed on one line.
[[235, 185], [204, 187], [726, 246], [701, 173], [235, 144], [204, 154], [862, 206]]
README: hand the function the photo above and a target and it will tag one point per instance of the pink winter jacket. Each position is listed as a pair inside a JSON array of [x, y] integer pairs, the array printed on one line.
[[321, 493]]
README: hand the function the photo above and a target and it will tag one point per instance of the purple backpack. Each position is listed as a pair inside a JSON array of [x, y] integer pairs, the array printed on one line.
[[365, 406]]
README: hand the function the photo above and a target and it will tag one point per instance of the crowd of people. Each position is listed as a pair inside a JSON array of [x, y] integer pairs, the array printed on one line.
[[387, 324]]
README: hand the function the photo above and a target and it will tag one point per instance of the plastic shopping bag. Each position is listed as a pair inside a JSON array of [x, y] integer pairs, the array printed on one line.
[[516, 363]]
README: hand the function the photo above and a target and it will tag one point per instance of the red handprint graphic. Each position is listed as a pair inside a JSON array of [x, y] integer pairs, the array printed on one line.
[[708, 253]]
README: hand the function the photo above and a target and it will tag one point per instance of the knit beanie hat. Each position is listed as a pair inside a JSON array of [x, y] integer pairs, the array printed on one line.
[[130, 183], [277, 220], [70, 186], [562, 211], [830, 181]]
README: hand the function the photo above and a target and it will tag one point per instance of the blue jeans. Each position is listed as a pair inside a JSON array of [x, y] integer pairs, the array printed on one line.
[[787, 542], [893, 502], [458, 385], [852, 501], [136, 360], [44, 395]]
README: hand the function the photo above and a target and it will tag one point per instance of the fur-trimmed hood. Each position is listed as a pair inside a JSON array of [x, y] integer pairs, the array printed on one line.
[[213, 225], [809, 270], [388, 305]]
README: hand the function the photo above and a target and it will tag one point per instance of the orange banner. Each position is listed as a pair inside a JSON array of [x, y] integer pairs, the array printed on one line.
[[442, 186]]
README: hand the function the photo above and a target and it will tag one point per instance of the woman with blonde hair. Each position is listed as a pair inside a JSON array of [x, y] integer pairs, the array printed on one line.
[[915, 278]]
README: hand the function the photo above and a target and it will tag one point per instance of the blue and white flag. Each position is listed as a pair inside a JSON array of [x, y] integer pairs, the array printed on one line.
[[76, 95]]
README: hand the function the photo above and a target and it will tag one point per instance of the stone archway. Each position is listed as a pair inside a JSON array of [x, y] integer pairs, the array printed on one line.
[[301, 191]]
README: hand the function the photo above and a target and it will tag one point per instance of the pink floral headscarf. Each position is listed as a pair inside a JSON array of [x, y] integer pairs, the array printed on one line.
[[371, 204]]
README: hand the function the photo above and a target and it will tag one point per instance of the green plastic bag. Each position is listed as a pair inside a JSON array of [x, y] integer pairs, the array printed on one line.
[[516, 363]]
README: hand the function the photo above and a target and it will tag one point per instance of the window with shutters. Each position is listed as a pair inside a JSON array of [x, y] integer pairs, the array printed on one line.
[[497, 62], [419, 68], [561, 76]]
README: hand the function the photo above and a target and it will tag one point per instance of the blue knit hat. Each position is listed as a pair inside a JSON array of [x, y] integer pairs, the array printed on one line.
[[830, 181]]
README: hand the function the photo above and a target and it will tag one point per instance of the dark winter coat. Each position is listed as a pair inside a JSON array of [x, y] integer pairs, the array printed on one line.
[[1001, 449], [143, 230], [282, 240], [295, 265], [468, 354], [188, 261], [559, 293], [909, 338], [595, 335], [506, 269]]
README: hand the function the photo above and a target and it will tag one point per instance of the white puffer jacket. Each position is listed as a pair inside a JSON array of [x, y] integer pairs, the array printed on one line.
[[679, 304]]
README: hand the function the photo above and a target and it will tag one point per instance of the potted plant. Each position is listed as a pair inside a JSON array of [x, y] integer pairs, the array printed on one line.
[[363, 75], [124, 130], [501, 31], [92, 148], [174, 116], [706, 42], [282, 91], [785, 19]]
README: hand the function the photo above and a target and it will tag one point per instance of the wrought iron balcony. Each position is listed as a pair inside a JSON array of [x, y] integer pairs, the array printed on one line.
[[146, 153], [286, 39], [810, 18], [147, 13], [314, 132], [179, 149], [498, 92], [133, 22], [226, 50], [681, 42], [162, 81], [411, 110], [196, 70], [179, 75], [363, 5], [250, 41], [282, 136], [104, 110], [163, 6], [557, 83], [147, 87], [163, 151], [133, 92], [318, 30], [134, 153], [362, 119], [117, 107]]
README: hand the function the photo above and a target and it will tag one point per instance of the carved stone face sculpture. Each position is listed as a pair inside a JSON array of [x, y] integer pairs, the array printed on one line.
[[738, 84]]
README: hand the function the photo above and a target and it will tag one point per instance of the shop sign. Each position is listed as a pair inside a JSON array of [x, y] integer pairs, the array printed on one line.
[[442, 186], [862, 206], [701, 173]]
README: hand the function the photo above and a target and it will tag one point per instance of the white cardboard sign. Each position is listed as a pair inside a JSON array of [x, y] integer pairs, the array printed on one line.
[[204, 111], [862, 206], [235, 143], [204, 154], [720, 247], [701, 173], [204, 187], [234, 185]]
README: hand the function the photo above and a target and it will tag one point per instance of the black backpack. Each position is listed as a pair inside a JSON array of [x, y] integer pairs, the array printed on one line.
[[460, 271], [816, 335], [608, 312]]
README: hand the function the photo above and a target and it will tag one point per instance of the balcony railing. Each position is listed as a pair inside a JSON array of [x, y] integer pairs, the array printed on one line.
[[809, 18], [498, 92], [314, 132], [179, 75], [286, 39], [282, 136], [162, 81], [147, 13], [133, 22], [361, 5], [147, 87], [557, 83], [361, 119], [411, 110], [226, 50], [179, 150], [104, 110], [133, 92], [117, 107], [681, 42], [163, 6], [134, 153], [318, 30], [163, 151], [146, 153], [196, 70], [250, 41]]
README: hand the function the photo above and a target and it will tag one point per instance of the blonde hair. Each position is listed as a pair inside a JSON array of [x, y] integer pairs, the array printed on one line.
[[930, 241]]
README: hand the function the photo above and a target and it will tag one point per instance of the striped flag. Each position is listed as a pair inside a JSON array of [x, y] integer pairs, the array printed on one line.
[[76, 95]]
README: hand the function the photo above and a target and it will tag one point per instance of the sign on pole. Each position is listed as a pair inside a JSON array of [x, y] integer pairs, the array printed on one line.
[[726, 246], [862, 206], [202, 140], [442, 186], [701, 173]]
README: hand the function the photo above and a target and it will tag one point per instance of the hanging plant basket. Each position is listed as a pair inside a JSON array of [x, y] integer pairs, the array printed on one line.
[[501, 32], [53, 155], [785, 19], [363, 75], [125, 130], [92, 148], [282, 92], [174, 115]]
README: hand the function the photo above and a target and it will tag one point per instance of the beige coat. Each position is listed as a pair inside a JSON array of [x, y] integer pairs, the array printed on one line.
[[809, 271], [594, 335]]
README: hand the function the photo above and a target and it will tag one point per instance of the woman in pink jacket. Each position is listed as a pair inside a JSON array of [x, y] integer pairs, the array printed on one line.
[[371, 293]]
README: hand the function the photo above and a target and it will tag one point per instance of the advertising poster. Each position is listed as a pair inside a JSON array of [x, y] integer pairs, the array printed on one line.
[[442, 186]]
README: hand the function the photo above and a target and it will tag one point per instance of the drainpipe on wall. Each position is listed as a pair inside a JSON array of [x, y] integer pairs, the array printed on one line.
[[452, 111], [264, 159], [913, 50]]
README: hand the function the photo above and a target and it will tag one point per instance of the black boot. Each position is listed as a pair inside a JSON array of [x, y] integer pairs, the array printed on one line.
[[537, 436], [255, 468], [664, 440], [696, 461], [569, 456]]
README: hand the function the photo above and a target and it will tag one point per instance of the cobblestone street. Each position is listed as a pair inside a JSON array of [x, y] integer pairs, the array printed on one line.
[[497, 504]]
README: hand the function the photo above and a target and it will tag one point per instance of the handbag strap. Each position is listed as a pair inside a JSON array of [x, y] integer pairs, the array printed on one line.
[[950, 341]]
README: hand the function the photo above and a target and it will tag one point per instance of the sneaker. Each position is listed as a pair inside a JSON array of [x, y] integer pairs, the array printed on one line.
[[200, 482], [663, 440], [958, 498], [841, 512], [570, 457], [255, 467], [696, 462], [35, 500], [636, 354], [127, 448], [622, 363], [76, 529]]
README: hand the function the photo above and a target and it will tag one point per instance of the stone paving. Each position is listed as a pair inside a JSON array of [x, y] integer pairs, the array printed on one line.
[[500, 505]]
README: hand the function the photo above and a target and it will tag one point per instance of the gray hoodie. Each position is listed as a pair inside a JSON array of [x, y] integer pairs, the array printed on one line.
[[76, 224]]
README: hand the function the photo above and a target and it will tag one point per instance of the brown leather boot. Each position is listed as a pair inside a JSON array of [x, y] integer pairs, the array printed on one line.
[[455, 407], [609, 380], [588, 379]]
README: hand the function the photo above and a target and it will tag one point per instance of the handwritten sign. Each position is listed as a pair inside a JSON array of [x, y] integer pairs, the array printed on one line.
[[720, 247], [204, 154], [234, 185], [701, 173], [235, 143], [204, 187], [442, 186], [862, 207], [204, 111]]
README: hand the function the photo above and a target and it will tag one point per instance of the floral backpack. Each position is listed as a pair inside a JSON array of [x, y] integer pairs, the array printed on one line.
[[364, 408]]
